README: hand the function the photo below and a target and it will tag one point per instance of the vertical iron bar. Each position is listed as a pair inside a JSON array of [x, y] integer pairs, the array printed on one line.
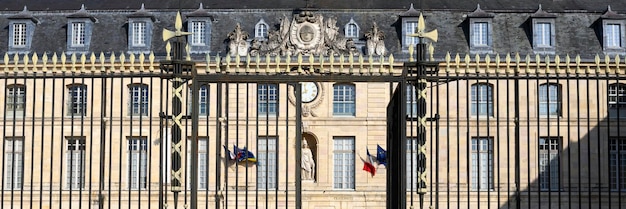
[[396, 142], [517, 133], [103, 112], [218, 149], [298, 144], [162, 144], [195, 111]]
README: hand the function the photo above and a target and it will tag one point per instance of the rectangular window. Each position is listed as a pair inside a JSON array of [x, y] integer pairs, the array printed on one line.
[[617, 158], [202, 162], [16, 100], [412, 162], [617, 100], [266, 173], [138, 100], [480, 34], [203, 101], [138, 162], [77, 101], [13, 162], [481, 99], [198, 29], [543, 34], [411, 101], [19, 35], [410, 27], [549, 163], [549, 100], [139, 34], [343, 155], [481, 163], [75, 161], [267, 98], [344, 96], [78, 34], [613, 35]]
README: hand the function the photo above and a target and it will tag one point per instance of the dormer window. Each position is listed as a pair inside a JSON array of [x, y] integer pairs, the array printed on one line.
[[543, 32], [77, 34], [21, 30], [351, 29], [480, 31], [198, 33], [409, 26], [19, 35], [79, 27], [140, 31], [260, 30], [199, 24], [613, 32]]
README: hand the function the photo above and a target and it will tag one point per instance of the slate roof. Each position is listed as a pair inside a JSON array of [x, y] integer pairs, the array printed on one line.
[[552, 5], [576, 21]]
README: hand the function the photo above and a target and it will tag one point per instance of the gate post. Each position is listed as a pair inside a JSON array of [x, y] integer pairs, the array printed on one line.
[[175, 67]]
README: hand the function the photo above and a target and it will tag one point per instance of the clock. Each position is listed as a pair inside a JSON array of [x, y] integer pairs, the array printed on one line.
[[310, 91]]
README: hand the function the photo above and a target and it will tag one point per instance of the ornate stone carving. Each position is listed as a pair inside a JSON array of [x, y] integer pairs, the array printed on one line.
[[306, 34], [237, 42], [375, 41]]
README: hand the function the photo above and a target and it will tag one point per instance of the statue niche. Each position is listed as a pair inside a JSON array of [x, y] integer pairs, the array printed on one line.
[[308, 161]]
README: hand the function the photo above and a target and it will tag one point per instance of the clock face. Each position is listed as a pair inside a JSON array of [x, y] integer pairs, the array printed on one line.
[[309, 91]]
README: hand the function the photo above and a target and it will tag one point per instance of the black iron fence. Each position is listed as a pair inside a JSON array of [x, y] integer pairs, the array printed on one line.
[[479, 135]]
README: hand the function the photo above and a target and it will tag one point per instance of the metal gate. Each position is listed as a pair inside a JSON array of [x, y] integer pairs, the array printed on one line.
[[87, 131]]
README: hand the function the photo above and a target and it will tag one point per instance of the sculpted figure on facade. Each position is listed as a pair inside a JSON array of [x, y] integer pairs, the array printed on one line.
[[375, 41], [238, 44], [308, 163], [306, 34]]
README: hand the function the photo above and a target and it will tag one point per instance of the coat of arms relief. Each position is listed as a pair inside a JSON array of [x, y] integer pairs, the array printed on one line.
[[305, 33]]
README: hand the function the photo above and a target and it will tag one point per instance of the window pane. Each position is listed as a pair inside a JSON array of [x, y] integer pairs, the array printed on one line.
[[543, 34], [344, 97], [267, 99], [481, 100], [613, 35], [344, 162], [410, 28], [481, 164], [480, 34], [139, 34], [198, 29], [19, 34], [78, 34]]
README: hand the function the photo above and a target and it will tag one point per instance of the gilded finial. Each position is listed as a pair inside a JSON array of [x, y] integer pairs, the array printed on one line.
[[420, 30], [178, 25], [168, 51]]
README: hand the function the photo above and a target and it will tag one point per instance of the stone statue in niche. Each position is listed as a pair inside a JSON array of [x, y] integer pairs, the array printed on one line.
[[308, 163], [238, 44], [375, 41]]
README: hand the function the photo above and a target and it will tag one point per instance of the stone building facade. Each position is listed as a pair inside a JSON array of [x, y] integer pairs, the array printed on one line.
[[526, 104]]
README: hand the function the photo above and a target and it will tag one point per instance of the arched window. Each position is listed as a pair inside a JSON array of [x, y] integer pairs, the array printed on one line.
[[351, 29], [616, 97], [203, 100], [138, 99], [261, 29], [77, 99], [482, 99], [15, 100], [550, 99]]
